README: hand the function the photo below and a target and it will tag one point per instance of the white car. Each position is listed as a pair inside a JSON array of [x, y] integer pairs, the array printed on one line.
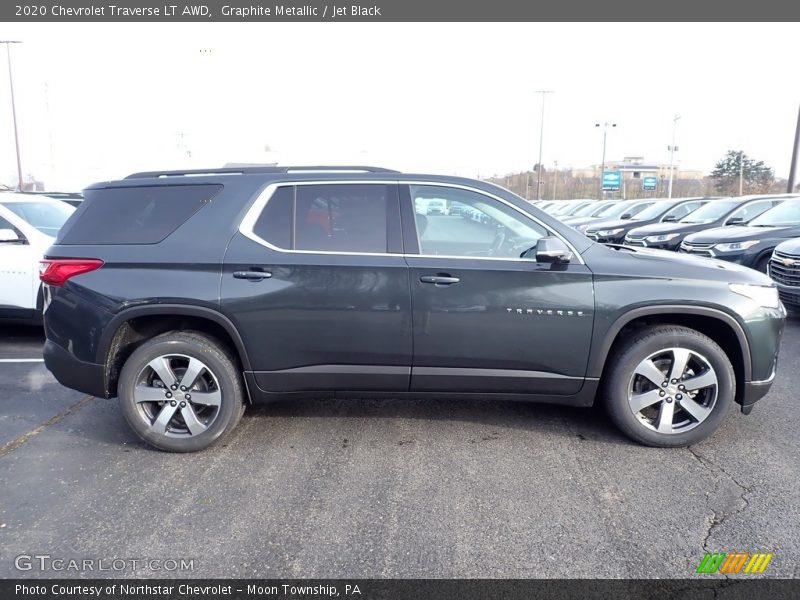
[[28, 226]]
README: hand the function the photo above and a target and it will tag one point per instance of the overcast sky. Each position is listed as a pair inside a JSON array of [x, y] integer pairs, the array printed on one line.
[[99, 101]]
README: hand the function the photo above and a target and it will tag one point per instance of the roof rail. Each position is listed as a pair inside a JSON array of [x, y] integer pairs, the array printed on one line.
[[256, 170]]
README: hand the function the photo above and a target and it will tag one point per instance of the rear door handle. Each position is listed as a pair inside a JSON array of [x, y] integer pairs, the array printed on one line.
[[252, 275], [439, 279]]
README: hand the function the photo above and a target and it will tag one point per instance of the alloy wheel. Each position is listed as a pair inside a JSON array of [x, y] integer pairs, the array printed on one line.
[[673, 390], [177, 395]]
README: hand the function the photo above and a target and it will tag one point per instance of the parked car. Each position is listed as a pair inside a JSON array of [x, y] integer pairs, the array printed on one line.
[[749, 245], [717, 213], [587, 210], [620, 209], [660, 211], [436, 206], [189, 294], [575, 208], [568, 206], [784, 269], [28, 225]]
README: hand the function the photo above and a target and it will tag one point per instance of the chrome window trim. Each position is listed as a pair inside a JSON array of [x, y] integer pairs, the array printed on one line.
[[251, 216]]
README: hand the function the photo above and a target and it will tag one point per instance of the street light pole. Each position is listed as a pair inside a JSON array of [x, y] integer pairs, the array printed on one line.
[[541, 143], [795, 153], [603, 163], [672, 149], [555, 179], [14, 109], [741, 171]]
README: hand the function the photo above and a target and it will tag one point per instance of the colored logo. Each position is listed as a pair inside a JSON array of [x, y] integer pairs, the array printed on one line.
[[734, 562]]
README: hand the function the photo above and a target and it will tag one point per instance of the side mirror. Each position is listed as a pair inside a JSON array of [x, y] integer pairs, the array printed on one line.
[[626, 216], [549, 250], [734, 221], [669, 219], [9, 236]]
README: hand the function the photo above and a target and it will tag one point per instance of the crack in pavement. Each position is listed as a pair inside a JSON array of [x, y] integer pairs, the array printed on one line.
[[16, 443], [719, 517]]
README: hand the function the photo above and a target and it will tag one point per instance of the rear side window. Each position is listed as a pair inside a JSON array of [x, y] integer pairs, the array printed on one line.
[[135, 215], [327, 218]]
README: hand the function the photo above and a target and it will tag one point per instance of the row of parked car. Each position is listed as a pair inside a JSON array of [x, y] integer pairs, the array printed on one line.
[[761, 231]]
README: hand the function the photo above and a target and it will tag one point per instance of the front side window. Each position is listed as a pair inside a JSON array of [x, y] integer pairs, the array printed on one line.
[[481, 226], [326, 218], [751, 211]]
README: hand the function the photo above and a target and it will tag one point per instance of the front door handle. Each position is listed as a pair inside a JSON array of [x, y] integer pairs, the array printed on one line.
[[252, 275], [439, 279]]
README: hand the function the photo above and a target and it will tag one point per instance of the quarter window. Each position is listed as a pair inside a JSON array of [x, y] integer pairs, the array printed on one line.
[[326, 218], [456, 222]]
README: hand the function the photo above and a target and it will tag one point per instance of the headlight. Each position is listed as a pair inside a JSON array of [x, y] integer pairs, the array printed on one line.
[[608, 232], [763, 295], [654, 239], [732, 246]]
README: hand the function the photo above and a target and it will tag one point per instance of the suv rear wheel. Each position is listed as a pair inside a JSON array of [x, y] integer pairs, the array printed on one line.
[[669, 386], [181, 392]]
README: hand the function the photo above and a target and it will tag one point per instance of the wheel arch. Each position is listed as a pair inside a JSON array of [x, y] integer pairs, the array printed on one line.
[[720, 326], [132, 327]]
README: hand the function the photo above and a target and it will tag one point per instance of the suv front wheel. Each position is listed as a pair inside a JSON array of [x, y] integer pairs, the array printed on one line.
[[669, 386], [181, 391]]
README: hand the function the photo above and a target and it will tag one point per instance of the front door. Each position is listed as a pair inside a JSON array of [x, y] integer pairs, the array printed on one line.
[[317, 286], [484, 319]]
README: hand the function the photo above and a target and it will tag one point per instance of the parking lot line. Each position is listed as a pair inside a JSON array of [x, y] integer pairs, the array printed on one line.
[[21, 360]]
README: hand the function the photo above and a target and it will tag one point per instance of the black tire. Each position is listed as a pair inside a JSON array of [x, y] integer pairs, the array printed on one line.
[[645, 343], [762, 263], [221, 371]]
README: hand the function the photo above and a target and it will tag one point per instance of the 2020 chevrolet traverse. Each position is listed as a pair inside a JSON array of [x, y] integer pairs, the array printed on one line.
[[190, 294]]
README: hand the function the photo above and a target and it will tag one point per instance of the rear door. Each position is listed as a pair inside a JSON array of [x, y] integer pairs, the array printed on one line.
[[486, 320], [317, 286]]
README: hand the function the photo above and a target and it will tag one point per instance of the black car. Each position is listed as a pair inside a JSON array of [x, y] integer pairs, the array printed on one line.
[[717, 213], [619, 209], [661, 211], [750, 245], [191, 294], [784, 268]]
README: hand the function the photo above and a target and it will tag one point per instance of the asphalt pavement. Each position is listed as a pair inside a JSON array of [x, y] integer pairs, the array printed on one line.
[[390, 488]]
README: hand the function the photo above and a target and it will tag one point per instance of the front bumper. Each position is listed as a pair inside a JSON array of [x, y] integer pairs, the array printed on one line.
[[754, 391], [85, 377]]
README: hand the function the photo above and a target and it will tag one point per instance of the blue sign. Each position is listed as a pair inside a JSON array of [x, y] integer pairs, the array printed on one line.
[[612, 180], [650, 182]]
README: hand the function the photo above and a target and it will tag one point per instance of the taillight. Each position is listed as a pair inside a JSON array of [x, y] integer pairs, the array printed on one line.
[[56, 271]]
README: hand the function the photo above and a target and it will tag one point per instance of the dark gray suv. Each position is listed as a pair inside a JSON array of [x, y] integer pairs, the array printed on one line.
[[191, 294]]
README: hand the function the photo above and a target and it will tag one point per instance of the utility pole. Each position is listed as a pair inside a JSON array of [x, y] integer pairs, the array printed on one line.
[[555, 179], [541, 143], [795, 156], [14, 110], [603, 162], [672, 149], [741, 171]]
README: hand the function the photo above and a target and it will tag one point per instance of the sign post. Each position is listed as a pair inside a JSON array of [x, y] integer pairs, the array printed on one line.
[[649, 183]]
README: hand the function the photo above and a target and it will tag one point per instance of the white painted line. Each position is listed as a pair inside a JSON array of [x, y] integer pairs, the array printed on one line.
[[21, 360]]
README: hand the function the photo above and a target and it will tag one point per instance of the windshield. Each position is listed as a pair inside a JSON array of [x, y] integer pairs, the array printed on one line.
[[785, 214], [47, 217], [656, 209], [589, 209], [614, 210], [711, 212]]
